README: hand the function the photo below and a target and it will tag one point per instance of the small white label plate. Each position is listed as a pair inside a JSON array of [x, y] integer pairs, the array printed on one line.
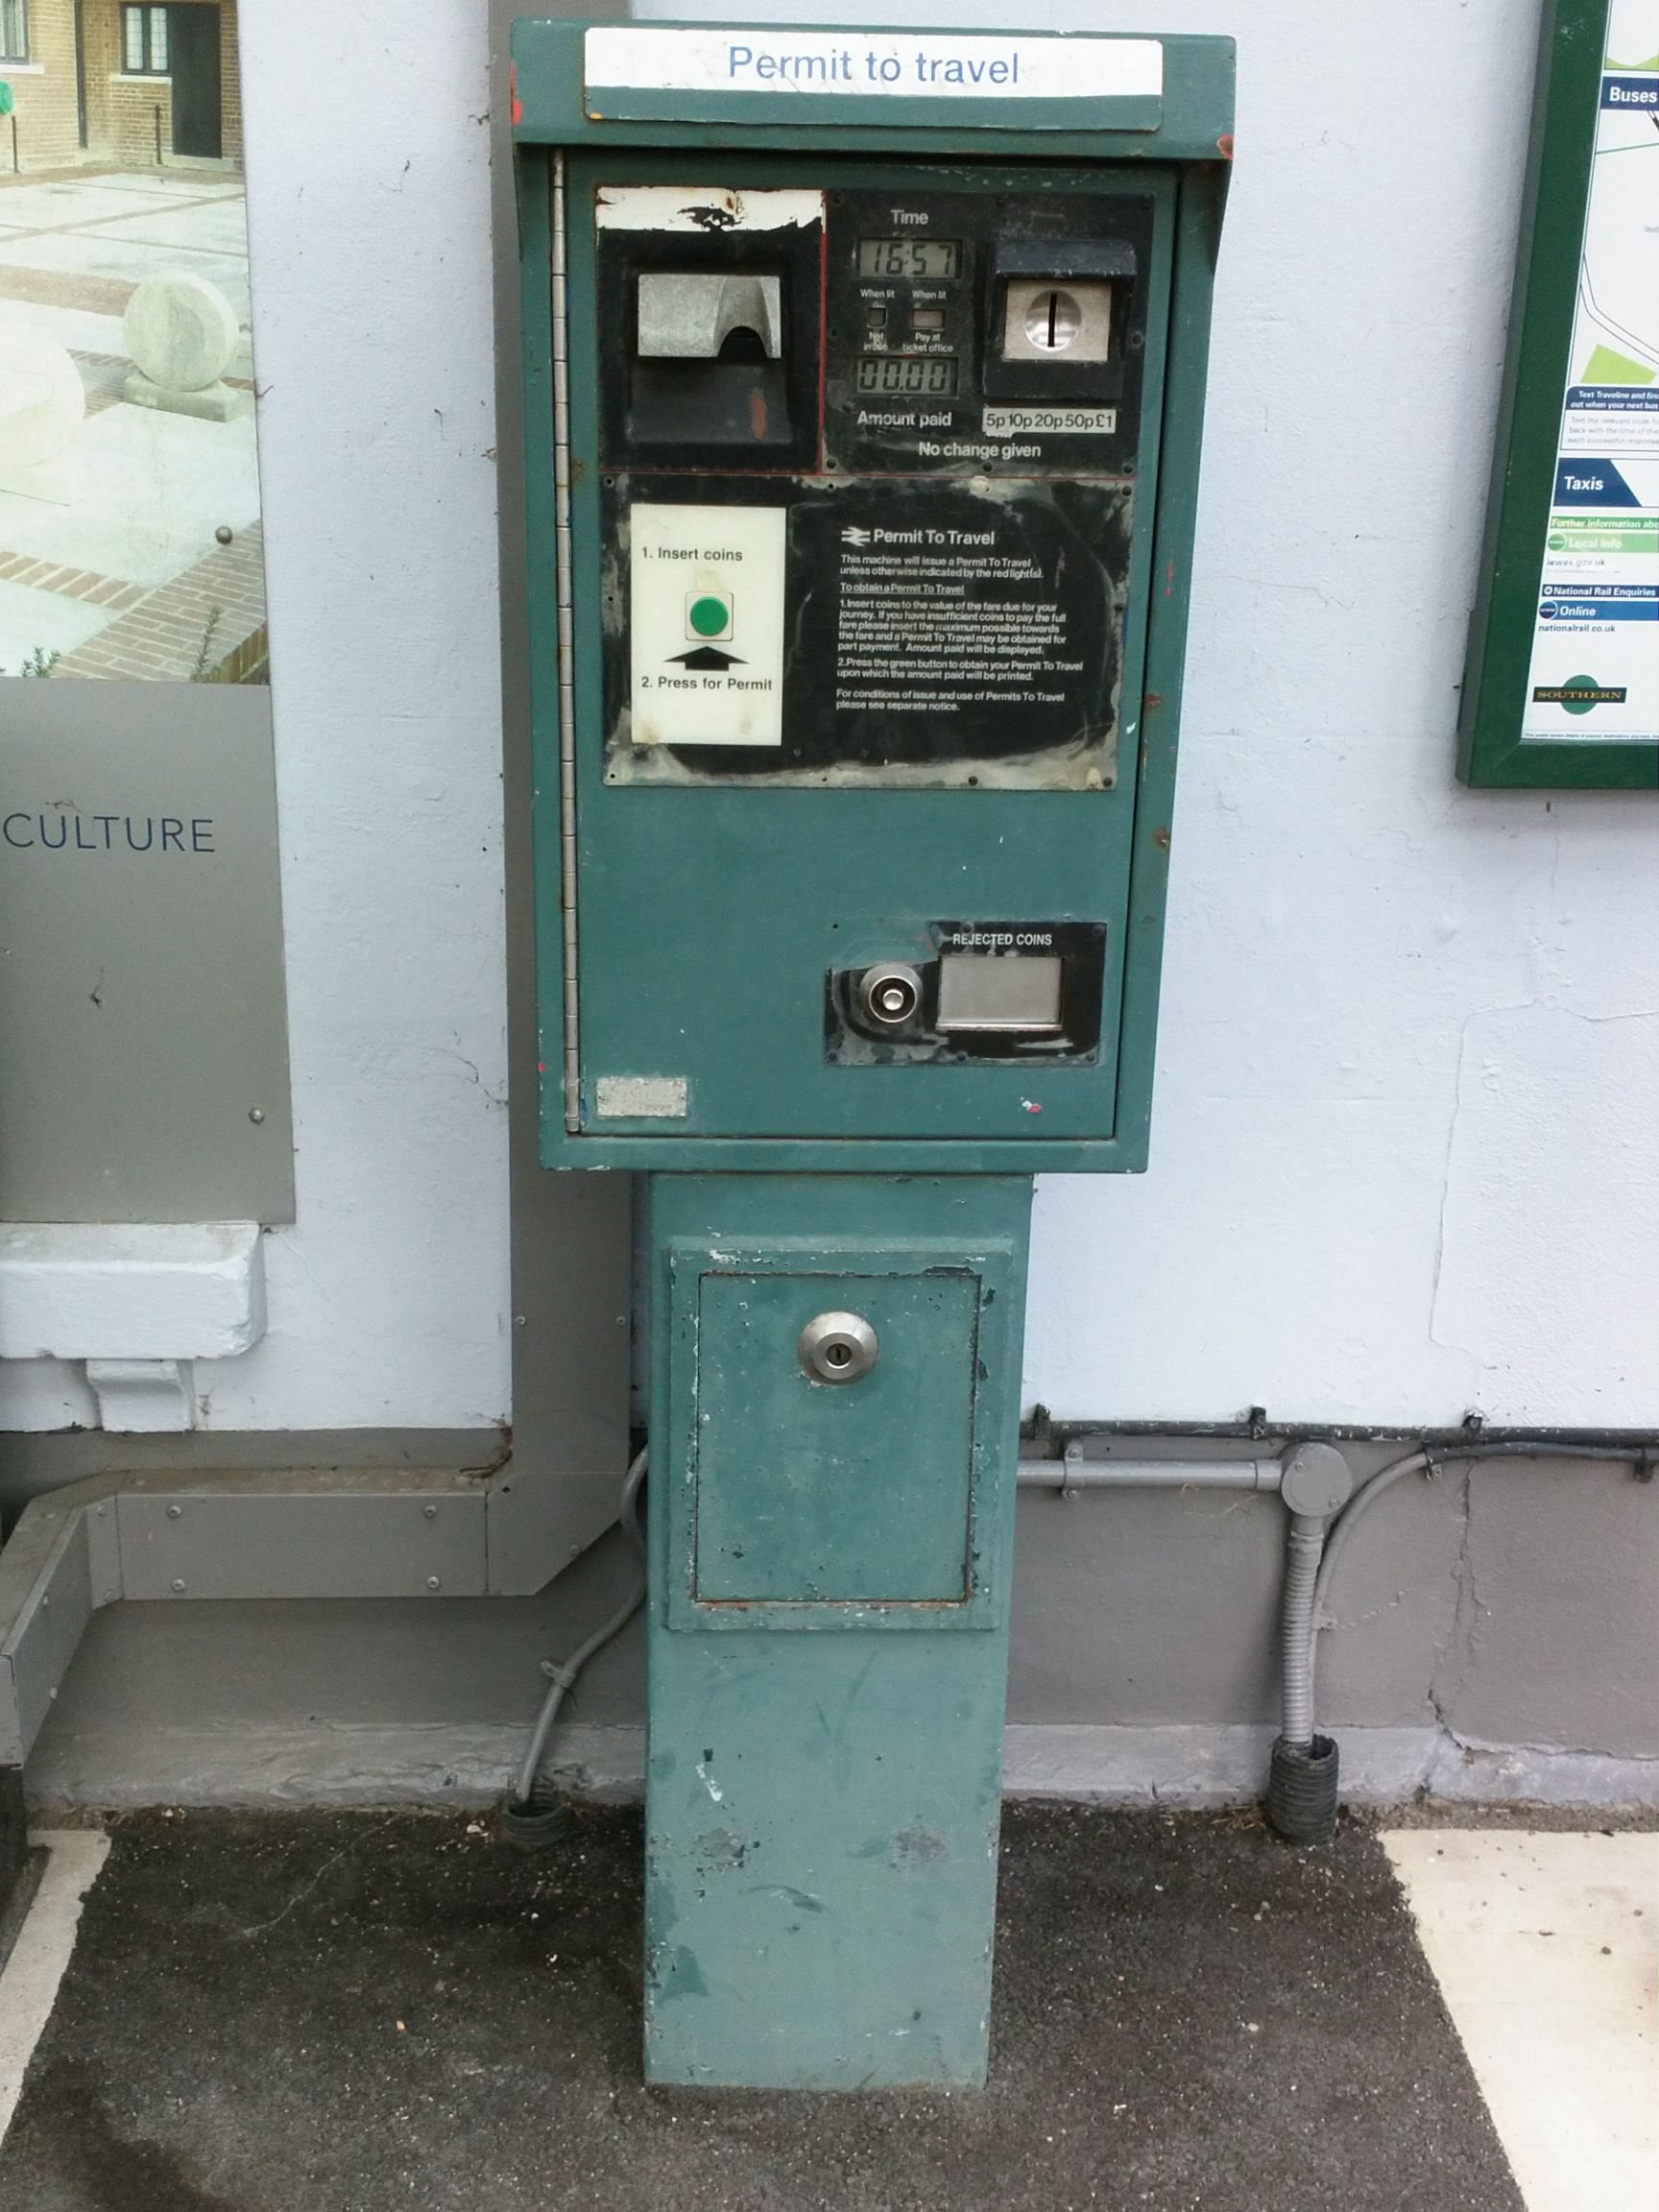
[[640, 1099], [1058, 422], [869, 64], [696, 680]]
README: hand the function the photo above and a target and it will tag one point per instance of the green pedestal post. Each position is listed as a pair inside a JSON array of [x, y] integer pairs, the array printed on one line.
[[829, 1624]]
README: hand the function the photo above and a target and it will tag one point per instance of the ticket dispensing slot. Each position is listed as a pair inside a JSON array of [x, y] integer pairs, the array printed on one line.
[[718, 294]]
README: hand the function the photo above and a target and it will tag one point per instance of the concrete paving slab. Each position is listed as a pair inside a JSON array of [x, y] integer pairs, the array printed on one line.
[[53, 206], [361, 2011], [178, 185], [76, 327], [86, 254], [1547, 1951], [210, 226], [159, 486], [41, 621]]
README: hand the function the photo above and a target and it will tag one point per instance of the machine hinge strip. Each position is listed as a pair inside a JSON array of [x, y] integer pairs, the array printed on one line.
[[557, 272]]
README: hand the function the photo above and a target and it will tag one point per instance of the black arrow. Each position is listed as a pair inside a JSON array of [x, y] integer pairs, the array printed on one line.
[[706, 657]]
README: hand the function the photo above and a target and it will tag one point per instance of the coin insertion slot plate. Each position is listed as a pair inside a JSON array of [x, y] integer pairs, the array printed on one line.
[[999, 992], [1057, 319]]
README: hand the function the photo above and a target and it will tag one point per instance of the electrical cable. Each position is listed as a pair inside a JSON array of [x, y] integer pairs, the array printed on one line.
[[532, 1816], [1425, 1459], [1302, 1783]]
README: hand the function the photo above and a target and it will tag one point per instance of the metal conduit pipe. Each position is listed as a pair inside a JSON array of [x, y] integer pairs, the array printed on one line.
[[1316, 1485], [1073, 1472], [1314, 1482]]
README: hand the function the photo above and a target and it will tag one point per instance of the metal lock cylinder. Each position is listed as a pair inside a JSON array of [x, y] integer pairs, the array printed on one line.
[[836, 1348], [890, 994]]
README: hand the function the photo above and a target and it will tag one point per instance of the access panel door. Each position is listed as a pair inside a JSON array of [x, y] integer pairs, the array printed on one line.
[[827, 1405]]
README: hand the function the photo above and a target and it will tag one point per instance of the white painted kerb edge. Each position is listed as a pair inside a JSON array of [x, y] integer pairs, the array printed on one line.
[[42, 1954]]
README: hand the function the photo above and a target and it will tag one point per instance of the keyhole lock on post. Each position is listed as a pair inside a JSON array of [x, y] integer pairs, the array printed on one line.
[[890, 994], [836, 1348]]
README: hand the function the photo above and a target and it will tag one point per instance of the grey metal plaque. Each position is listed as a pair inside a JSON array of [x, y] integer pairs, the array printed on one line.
[[143, 1028]]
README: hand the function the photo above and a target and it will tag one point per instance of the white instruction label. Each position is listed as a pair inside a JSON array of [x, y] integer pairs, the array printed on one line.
[[871, 63], [705, 625]]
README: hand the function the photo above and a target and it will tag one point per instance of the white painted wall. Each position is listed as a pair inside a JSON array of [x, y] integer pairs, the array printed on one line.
[[1404, 1150], [367, 151], [368, 241], [1406, 1146]]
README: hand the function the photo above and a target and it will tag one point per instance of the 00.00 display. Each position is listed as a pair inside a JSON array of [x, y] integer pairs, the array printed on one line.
[[914, 376]]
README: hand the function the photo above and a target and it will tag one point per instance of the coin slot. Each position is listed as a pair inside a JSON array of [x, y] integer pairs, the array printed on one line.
[[1049, 319]]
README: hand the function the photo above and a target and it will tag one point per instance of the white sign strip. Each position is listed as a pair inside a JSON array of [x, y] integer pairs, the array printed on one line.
[[701, 209], [875, 64]]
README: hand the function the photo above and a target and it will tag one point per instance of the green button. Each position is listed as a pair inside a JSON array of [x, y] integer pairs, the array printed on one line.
[[711, 616]]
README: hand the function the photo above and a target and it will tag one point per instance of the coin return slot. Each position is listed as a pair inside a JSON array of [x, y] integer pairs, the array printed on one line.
[[988, 992]]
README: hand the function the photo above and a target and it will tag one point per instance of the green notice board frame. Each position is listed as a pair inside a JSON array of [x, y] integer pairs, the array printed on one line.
[[1523, 521]]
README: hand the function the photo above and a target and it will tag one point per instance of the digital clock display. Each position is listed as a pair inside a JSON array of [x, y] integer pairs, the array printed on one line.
[[907, 376], [910, 256]]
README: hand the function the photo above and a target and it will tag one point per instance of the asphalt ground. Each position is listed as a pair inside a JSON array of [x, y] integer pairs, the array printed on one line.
[[349, 2012]]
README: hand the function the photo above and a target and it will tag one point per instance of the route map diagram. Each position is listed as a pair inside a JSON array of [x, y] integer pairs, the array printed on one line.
[[1595, 665]]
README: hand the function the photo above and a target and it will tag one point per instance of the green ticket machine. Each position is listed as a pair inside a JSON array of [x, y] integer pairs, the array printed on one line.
[[863, 374]]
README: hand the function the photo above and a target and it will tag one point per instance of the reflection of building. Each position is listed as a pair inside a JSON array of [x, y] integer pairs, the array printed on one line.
[[102, 80]]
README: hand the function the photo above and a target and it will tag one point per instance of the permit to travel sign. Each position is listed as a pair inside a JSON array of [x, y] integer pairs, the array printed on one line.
[[1053, 79], [1562, 686]]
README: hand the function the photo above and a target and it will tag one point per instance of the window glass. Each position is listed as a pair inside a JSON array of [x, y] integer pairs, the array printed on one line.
[[13, 30], [131, 546]]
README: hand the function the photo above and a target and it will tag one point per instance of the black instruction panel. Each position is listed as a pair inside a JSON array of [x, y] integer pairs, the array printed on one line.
[[871, 522]]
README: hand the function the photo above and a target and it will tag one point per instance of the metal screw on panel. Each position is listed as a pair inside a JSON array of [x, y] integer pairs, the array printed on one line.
[[836, 1348], [174, 1512], [430, 1511], [255, 1114], [224, 533], [178, 1586], [433, 1583]]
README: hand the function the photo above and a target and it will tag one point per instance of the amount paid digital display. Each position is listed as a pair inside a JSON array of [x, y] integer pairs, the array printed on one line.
[[914, 376]]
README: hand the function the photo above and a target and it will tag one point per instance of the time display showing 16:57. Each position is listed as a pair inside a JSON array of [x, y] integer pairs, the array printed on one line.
[[932, 257]]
